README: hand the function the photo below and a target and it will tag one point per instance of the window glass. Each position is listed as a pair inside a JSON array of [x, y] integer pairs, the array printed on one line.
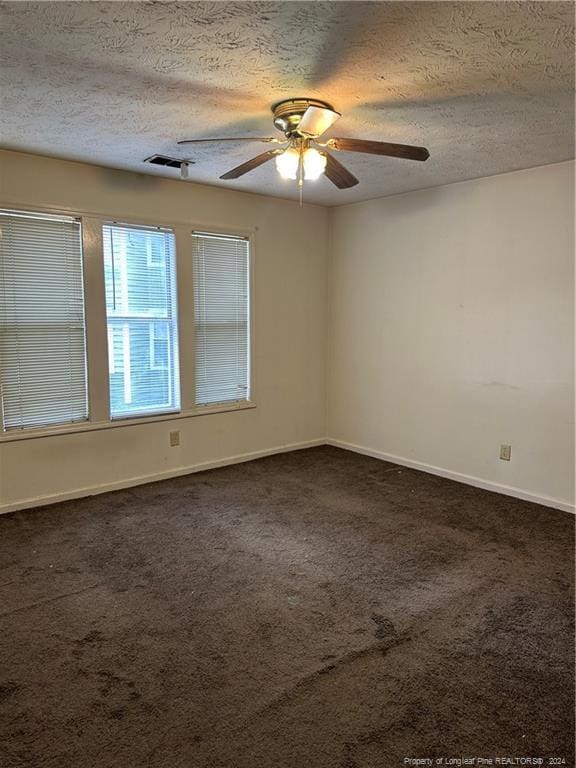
[[139, 266]]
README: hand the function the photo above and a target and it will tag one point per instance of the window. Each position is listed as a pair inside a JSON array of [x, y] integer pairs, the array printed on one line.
[[42, 333], [221, 311], [139, 266], [46, 342]]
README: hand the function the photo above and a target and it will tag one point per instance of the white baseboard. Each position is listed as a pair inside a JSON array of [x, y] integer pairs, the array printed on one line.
[[477, 482], [79, 493]]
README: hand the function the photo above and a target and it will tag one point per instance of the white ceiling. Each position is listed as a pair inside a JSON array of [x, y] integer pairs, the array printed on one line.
[[488, 87]]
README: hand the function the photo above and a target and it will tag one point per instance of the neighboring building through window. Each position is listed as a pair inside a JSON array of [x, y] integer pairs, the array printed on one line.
[[221, 266], [42, 332], [139, 264]]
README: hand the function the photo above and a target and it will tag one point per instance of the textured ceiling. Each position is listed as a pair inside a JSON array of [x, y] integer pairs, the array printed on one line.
[[488, 87]]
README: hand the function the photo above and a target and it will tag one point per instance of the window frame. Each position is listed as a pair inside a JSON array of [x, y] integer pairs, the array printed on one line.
[[97, 354], [176, 392]]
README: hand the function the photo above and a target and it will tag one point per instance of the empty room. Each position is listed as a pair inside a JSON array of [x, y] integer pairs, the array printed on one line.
[[287, 384]]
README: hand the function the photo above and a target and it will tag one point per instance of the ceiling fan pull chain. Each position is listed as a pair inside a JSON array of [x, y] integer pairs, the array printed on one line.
[[301, 171]]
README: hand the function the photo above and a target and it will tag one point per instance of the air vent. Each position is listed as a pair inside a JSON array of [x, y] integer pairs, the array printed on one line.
[[170, 162]]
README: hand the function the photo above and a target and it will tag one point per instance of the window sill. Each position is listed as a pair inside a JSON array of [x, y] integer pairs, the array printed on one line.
[[96, 426]]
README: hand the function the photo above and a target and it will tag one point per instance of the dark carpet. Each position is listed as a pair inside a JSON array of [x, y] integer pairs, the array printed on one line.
[[318, 608]]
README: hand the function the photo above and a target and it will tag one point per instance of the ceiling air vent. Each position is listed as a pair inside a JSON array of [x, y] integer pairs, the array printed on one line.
[[170, 162]]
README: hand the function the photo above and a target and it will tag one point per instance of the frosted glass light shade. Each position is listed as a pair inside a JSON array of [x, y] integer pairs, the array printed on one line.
[[314, 164], [287, 163]]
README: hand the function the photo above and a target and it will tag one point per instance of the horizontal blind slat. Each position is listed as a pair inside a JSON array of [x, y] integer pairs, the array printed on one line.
[[222, 323], [42, 330]]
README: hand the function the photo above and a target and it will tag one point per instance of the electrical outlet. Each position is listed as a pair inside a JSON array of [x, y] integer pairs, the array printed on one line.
[[505, 452], [174, 438]]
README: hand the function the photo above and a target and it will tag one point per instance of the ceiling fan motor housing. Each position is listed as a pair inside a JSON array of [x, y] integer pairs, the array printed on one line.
[[288, 113]]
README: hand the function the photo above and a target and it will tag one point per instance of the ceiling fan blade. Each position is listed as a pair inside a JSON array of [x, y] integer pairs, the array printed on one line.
[[238, 138], [405, 151], [249, 165], [337, 174], [316, 120]]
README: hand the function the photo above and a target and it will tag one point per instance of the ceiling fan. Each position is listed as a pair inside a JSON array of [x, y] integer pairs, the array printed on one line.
[[303, 122]]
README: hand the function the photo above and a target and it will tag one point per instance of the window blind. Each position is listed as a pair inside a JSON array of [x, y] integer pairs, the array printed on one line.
[[42, 332], [140, 276], [222, 324]]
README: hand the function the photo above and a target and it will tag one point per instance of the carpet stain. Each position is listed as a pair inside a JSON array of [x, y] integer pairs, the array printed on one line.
[[385, 629], [8, 689], [91, 638]]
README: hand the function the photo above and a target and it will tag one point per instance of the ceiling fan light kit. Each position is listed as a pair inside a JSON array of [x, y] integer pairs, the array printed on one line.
[[303, 121], [314, 163], [289, 160], [287, 163]]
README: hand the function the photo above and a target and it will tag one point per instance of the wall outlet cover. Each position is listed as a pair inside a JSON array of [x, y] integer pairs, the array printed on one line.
[[505, 452]]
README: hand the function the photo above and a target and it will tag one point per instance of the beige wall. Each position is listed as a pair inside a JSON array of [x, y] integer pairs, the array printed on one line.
[[290, 331], [452, 329]]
